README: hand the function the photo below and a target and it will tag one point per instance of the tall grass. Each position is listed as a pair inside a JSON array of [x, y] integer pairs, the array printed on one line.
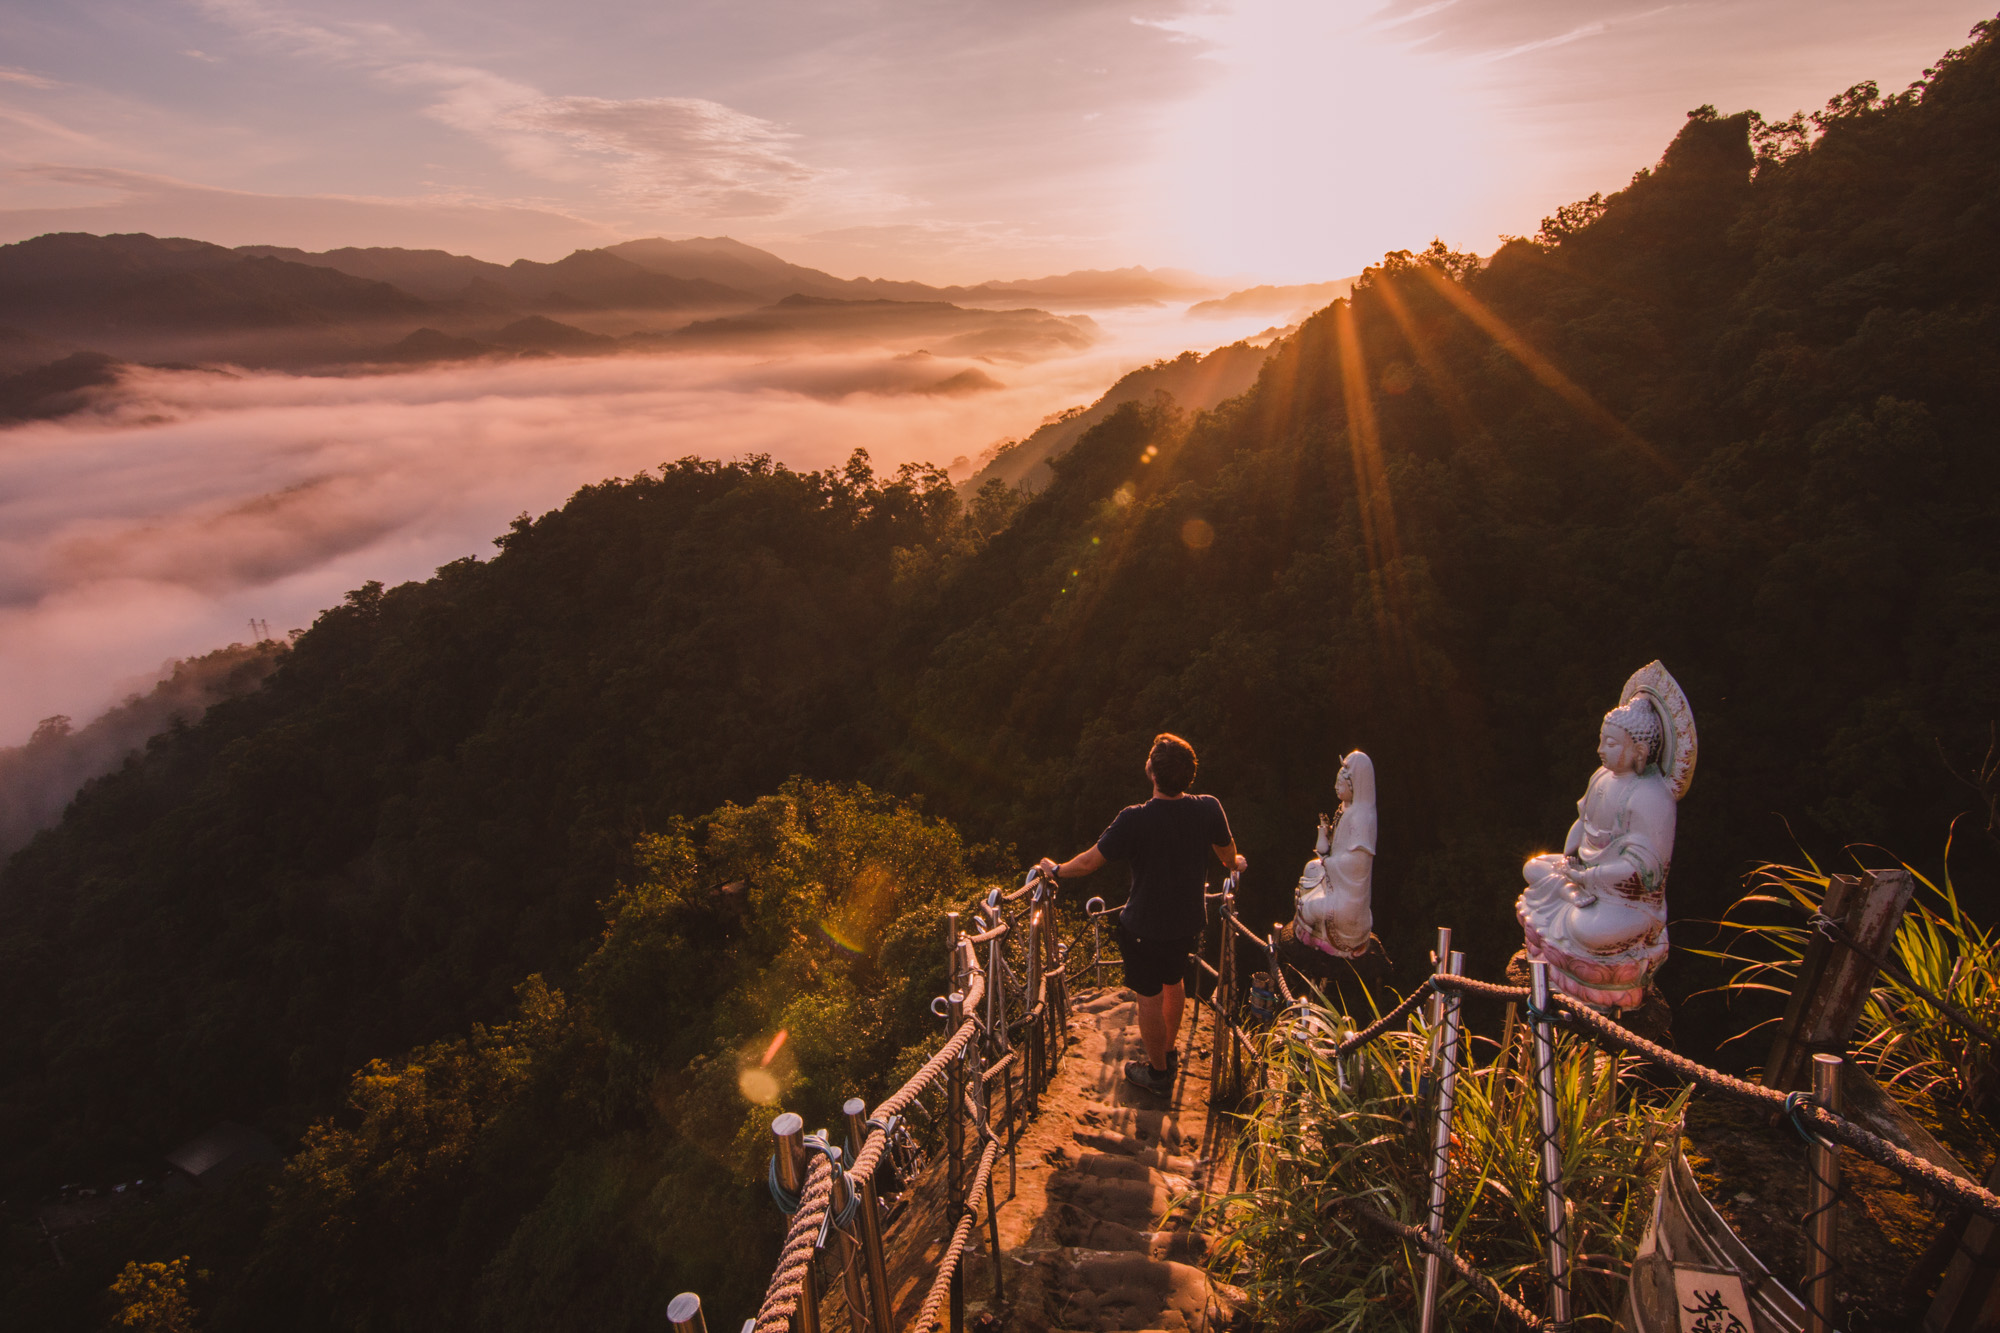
[[1915, 1050], [1326, 1132]]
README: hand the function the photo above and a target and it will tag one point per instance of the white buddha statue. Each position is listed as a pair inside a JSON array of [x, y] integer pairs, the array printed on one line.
[[1597, 912], [1334, 912]]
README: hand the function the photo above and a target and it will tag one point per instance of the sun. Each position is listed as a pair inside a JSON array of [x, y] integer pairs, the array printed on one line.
[[1324, 137]]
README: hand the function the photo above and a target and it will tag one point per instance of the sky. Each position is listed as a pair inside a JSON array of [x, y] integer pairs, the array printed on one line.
[[946, 140]]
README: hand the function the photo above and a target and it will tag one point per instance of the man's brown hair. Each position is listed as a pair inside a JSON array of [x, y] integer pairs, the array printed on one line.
[[1172, 761]]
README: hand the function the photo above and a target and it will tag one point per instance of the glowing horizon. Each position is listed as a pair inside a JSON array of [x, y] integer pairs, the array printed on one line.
[[1271, 140]]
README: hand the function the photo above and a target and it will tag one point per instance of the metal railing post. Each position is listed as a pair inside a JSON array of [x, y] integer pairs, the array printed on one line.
[[1096, 948], [1438, 964], [1553, 1213], [1822, 1199], [850, 1272], [855, 1112], [789, 1130], [1034, 998], [1441, 1143], [1229, 999], [952, 981], [954, 1151], [684, 1313], [996, 988]]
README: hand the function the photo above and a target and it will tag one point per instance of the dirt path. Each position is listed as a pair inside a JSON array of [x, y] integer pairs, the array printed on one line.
[[1097, 1235]]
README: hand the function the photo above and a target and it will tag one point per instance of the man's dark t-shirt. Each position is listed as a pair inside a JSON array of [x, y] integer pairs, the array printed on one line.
[[1168, 842]]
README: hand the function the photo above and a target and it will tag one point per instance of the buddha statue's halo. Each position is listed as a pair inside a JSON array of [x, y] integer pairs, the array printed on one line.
[[1678, 744]]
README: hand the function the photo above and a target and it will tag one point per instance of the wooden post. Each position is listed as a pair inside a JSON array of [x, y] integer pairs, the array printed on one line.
[[1823, 1202], [1968, 1297], [1834, 980]]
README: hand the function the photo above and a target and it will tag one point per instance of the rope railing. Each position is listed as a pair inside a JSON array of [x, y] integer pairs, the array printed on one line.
[[1484, 1285], [789, 1279], [1031, 1006], [954, 1252], [990, 1007], [1812, 1117], [1908, 1165]]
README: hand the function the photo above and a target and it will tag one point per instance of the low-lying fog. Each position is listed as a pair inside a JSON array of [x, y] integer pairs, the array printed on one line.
[[202, 500]]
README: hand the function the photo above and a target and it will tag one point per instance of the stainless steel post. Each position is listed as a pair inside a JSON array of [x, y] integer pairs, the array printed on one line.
[[684, 1313], [1034, 1088], [1097, 952], [1822, 1196], [790, 1132], [1229, 1000], [996, 984], [1441, 1142], [1553, 1213], [954, 1151], [952, 980], [1436, 1007], [858, 1320], [855, 1111]]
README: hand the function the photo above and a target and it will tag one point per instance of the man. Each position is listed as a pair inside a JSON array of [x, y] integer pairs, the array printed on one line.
[[1167, 841]]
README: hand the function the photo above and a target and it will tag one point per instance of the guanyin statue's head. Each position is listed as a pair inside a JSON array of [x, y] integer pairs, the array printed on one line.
[[1638, 727]]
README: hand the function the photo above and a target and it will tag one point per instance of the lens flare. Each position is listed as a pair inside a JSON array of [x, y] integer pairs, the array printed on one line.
[[771, 1051], [759, 1086], [840, 939]]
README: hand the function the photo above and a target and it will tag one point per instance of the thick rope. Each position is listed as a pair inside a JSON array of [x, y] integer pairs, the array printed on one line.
[[961, 1237], [1249, 934], [1908, 1165], [1384, 1023], [788, 1280], [1481, 1283], [871, 1151]]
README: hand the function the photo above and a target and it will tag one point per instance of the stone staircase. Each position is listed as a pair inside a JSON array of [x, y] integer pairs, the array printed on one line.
[[1099, 1232]]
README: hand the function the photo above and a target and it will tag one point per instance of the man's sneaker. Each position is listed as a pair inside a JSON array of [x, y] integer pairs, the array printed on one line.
[[1142, 1075]]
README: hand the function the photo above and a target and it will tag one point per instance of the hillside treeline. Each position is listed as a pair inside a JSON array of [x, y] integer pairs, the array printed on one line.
[[1736, 416]]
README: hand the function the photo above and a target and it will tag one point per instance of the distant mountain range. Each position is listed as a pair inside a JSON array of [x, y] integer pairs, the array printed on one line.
[[144, 298], [1291, 302]]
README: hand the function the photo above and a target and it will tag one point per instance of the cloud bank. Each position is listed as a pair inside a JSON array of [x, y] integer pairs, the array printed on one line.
[[196, 501]]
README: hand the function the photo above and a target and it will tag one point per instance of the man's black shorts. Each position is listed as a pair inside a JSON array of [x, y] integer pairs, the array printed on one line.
[[1152, 965]]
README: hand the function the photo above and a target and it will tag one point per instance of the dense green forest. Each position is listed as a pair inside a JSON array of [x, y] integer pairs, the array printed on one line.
[[1738, 416]]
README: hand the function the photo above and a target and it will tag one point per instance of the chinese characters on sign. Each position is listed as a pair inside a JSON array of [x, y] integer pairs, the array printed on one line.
[[1711, 1302]]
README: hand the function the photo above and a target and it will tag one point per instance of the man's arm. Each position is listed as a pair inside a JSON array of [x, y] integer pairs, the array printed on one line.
[[1083, 863], [1227, 855]]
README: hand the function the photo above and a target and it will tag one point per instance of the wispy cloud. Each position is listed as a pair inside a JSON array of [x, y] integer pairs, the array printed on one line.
[[698, 155], [692, 154], [1576, 34], [25, 79]]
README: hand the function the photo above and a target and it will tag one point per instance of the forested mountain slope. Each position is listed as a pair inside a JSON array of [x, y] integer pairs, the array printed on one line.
[[1738, 416]]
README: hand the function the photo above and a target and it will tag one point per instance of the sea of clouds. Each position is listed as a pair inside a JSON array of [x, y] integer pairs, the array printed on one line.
[[198, 501]]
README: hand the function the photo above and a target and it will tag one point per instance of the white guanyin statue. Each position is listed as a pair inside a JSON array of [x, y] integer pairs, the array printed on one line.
[[1334, 912], [1597, 913]]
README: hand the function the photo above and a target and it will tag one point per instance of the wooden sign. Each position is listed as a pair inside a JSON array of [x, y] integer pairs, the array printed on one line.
[[1710, 1301]]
